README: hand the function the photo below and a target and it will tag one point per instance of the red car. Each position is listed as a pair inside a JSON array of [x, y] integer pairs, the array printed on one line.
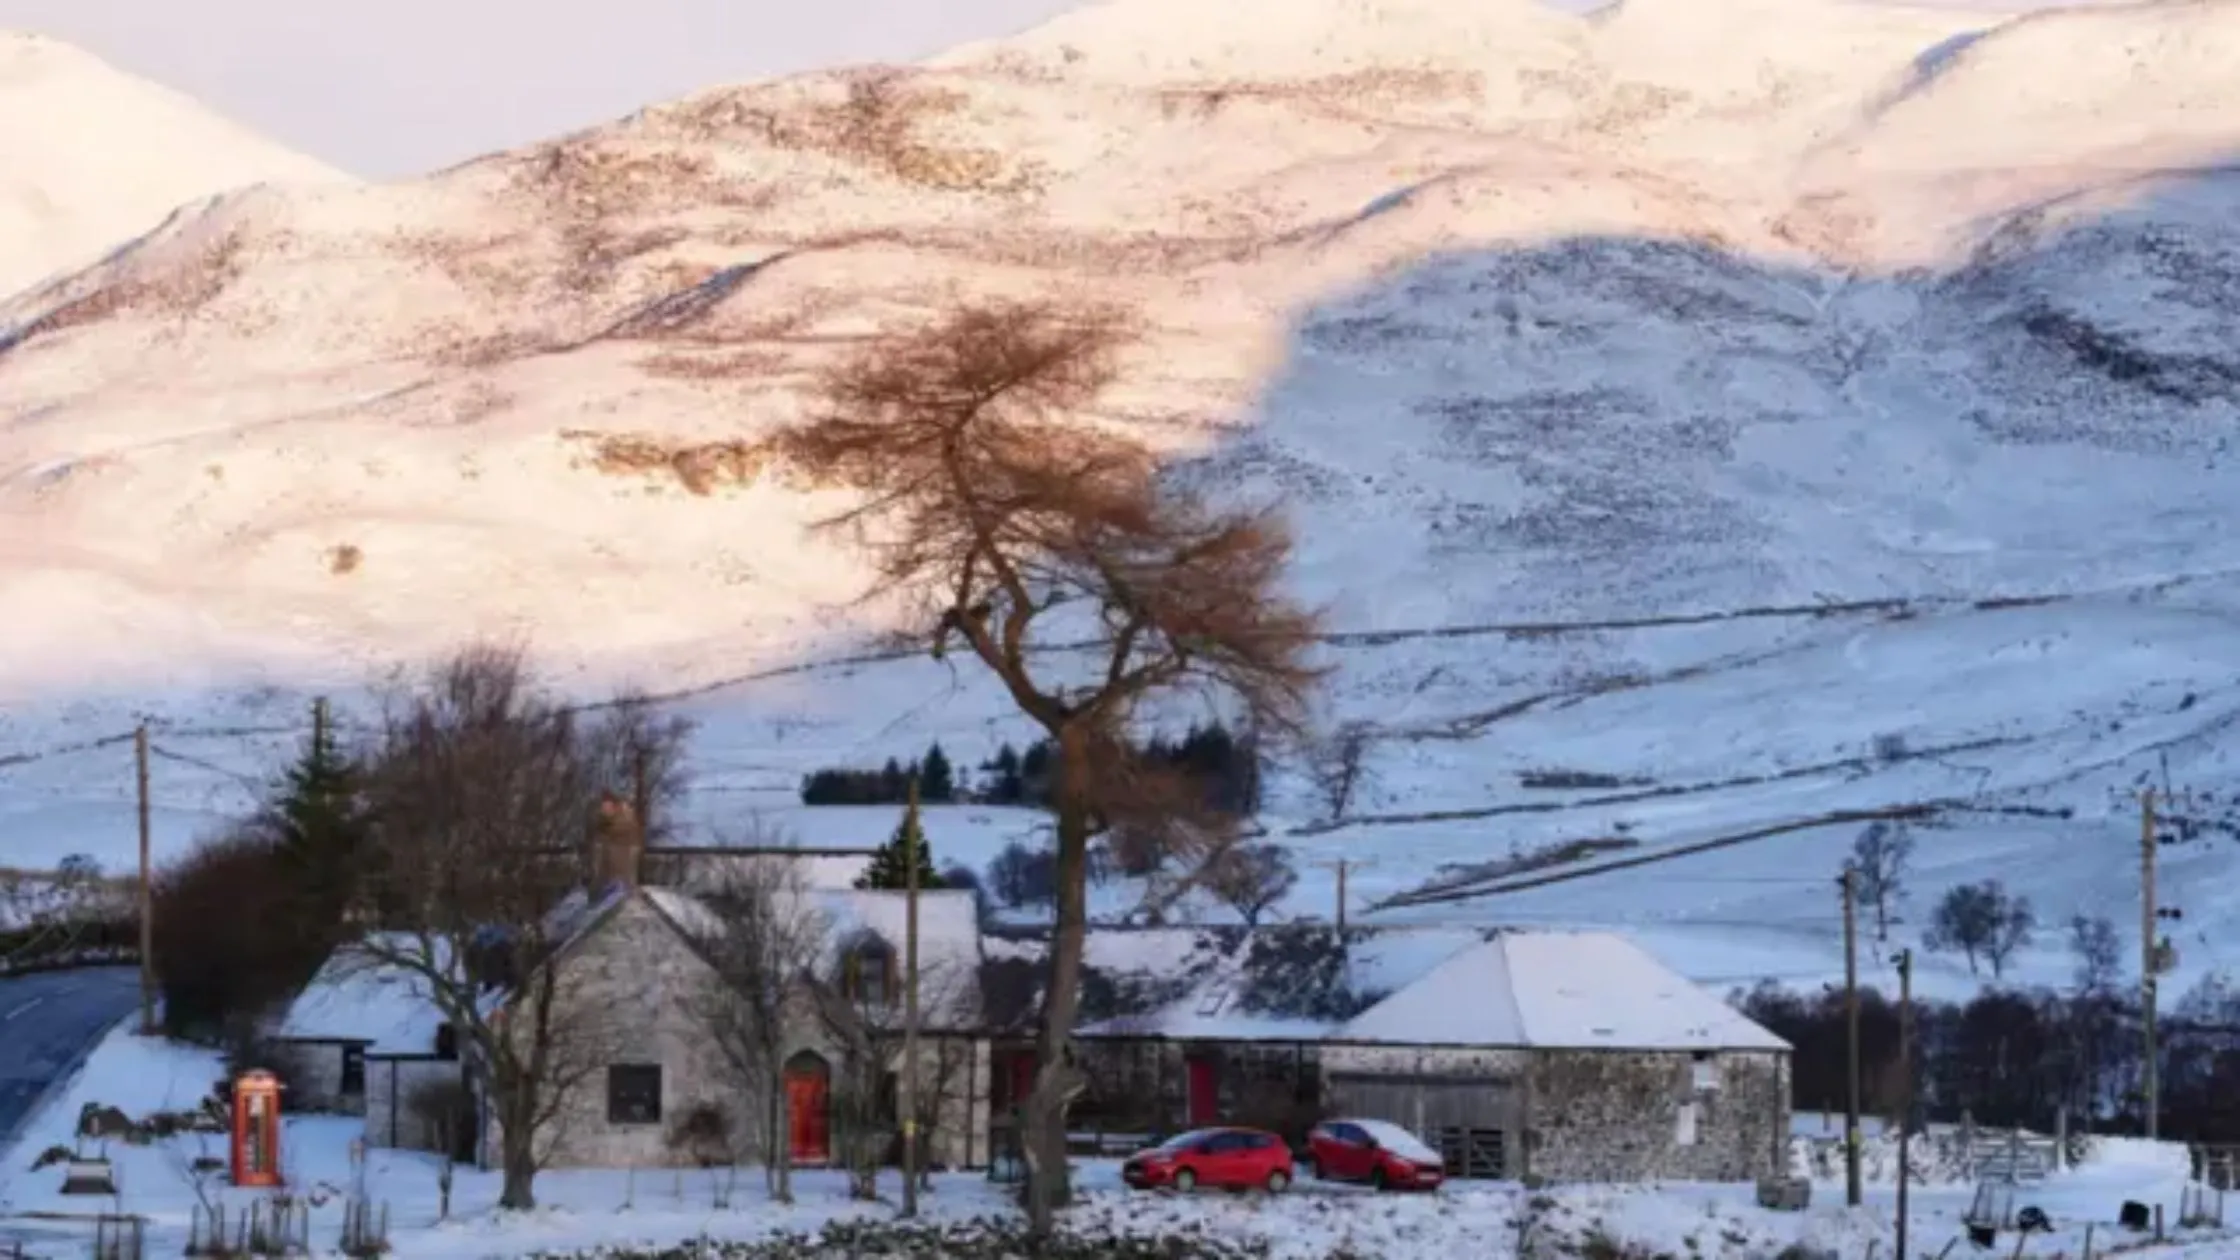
[[1374, 1151], [1232, 1159]]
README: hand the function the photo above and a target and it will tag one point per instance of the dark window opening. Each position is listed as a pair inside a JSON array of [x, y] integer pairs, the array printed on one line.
[[869, 977], [447, 1042], [353, 1070], [634, 1093]]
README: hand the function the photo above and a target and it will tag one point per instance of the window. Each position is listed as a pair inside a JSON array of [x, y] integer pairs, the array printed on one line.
[[1684, 1127], [447, 1042], [634, 1093], [868, 975], [1706, 1071], [353, 1070]]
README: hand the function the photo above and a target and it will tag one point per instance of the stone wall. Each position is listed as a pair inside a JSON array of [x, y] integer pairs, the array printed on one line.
[[1618, 1116]]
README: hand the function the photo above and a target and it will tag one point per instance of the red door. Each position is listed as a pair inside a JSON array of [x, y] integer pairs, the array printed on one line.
[[808, 1111], [1205, 1091], [1022, 1077]]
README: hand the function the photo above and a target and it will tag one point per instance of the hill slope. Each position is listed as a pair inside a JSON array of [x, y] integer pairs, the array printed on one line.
[[1729, 435], [93, 156]]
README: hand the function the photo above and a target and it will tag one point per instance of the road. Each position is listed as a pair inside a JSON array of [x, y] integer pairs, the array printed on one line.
[[48, 1024]]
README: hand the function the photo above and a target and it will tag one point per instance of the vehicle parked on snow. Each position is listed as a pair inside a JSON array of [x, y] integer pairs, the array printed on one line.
[[1222, 1158], [1376, 1152]]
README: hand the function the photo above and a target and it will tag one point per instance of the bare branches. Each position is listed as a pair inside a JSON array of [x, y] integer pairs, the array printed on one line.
[[1337, 763], [481, 796], [1251, 879], [989, 500]]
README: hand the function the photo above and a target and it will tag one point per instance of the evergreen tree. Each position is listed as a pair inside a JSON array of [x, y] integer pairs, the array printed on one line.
[[1004, 787], [937, 780], [890, 863], [317, 820]]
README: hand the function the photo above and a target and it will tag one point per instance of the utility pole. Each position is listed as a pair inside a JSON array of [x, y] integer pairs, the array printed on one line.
[[1905, 1087], [1343, 867], [147, 889], [1851, 1036], [2149, 956], [909, 1090]]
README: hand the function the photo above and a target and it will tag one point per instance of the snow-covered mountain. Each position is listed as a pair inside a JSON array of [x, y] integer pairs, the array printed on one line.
[[91, 156], [1698, 422]]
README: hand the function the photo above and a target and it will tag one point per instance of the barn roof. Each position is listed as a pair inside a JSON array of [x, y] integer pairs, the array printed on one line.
[[1557, 991], [1432, 987]]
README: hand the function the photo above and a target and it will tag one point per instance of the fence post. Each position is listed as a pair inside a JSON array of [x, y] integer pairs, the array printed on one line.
[[2061, 1138], [2089, 1226]]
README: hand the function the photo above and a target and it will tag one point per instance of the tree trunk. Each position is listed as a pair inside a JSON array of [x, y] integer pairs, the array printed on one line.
[[777, 1151], [517, 1150], [1056, 1082]]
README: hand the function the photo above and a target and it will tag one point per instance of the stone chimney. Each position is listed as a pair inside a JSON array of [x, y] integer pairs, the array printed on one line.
[[618, 844]]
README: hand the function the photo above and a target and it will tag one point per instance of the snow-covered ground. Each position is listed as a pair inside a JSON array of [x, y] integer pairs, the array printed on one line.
[[1802, 408], [588, 1209]]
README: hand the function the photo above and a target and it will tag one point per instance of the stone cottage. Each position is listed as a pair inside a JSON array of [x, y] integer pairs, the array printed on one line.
[[1567, 1056], [643, 1080]]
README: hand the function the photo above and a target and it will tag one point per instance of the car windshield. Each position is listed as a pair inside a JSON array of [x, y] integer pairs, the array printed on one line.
[[1181, 1141]]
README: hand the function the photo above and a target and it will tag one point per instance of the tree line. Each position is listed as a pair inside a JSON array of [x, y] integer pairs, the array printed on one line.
[[2022, 1057], [1226, 768]]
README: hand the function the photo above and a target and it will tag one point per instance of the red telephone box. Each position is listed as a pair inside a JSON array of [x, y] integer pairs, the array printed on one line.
[[256, 1129]]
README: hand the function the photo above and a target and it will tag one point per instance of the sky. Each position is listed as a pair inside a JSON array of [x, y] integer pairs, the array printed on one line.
[[401, 87]]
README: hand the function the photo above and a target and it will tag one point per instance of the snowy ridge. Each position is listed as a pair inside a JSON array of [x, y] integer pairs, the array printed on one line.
[[1737, 433], [108, 155]]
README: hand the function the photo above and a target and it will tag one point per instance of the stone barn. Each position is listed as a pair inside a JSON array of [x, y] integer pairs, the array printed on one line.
[[1565, 1056]]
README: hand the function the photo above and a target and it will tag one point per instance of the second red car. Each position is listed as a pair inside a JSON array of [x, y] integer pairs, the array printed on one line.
[[1374, 1151]]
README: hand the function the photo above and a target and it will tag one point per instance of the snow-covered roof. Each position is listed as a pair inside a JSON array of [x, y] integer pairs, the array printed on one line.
[[355, 998], [1553, 990], [1557, 990], [948, 936]]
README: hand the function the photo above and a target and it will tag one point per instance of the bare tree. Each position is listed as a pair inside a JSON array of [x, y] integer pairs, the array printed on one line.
[[770, 938], [1007, 521], [481, 793], [1251, 878], [1878, 859], [2092, 938], [1982, 921], [1338, 764]]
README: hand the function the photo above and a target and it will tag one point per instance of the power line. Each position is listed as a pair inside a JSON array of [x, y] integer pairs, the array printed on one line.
[[211, 766]]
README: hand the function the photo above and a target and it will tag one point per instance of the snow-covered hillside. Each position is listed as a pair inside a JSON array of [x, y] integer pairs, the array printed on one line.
[[1695, 425], [91, 156]]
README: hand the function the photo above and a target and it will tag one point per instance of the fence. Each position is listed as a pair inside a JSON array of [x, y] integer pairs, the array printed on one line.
[[2010, 1156]]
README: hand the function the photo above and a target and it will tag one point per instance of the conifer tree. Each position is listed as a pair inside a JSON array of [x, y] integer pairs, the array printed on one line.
[[937, 779], [890, 863], [318, 821]]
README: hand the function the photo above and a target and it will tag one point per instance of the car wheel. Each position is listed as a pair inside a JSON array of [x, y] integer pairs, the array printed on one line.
[[1377, 1180], [1185, 1181], [1278, 1181]]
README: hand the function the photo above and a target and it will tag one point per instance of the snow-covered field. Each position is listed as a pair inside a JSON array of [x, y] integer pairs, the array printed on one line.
[[660, 1208], [1804, 408]]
